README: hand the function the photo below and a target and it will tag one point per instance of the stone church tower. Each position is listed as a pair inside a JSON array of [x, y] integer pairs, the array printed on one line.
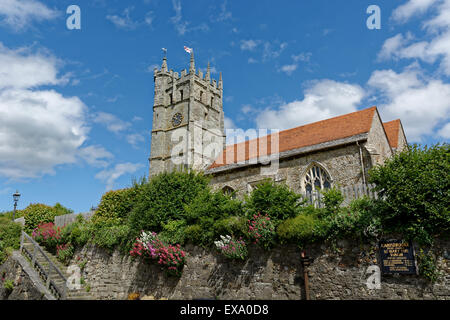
[[188, 119]]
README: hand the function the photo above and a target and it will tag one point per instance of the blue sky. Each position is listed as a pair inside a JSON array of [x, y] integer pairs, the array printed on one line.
[[76, 105]]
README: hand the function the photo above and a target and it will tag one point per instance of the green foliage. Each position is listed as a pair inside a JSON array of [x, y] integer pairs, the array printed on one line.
[[65, 253], [332, 199], [261, 230], [9, 214], [109, 234], [173, 232], [209, 210], [77, 233], [305, 228], [276, 200], [8, 285], [416, 187], [117, 204], [194, 233], [163, 199], [39, 213], [233, 225], [9, 237], [427, 266], [61, 210], [10, 233]]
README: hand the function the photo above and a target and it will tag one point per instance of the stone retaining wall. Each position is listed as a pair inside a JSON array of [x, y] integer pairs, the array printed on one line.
[[277, 274]]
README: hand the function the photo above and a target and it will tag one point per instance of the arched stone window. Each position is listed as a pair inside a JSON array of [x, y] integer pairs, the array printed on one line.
[[229, 191], [316, 178]]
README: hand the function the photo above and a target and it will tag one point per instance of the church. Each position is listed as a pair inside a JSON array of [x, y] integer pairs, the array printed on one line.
[[188, 132]]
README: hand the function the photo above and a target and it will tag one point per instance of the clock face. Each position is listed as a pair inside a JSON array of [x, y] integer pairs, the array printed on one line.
[[176, 119]]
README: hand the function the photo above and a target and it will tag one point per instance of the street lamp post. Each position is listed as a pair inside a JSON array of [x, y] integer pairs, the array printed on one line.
[[16, 197]]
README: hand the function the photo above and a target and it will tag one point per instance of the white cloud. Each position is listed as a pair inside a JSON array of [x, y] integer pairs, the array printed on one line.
[[247, 108], [249, 45], [112, 122], [411, 8], [228, 123], [223, 15], [181, 26], [445, 131], [303, 56], [135, 138], [149, 17], [22, 69], [123, 21], [109, 176], [438, 44], [38, 131], [322, 100], [271, 53], [95, 156], [289, 68], [422, 104], [20, 14]]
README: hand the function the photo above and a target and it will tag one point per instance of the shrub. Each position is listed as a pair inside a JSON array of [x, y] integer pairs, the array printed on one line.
[[427, 266], [207, 209], [416, 187], [60, 210], [163, 199], [277, 200], [10, 233], [64, 253], [231, 247], [38, 213], [304, 228], [332, 199], [261, 230], [194, 233], [174, 232], [172, 258], [234, 225], [150, 246], [108, 234], [146, 246], [117, 204], [47, 235], [77, 233]]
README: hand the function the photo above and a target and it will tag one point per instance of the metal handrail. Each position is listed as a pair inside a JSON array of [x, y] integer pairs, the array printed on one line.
[[51, 265]]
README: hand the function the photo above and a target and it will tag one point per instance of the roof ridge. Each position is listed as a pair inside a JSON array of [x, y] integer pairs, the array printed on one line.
[[304, 125]]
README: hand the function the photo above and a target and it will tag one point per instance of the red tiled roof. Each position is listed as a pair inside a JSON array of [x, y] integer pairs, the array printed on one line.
[[340, 127], [392, 129]]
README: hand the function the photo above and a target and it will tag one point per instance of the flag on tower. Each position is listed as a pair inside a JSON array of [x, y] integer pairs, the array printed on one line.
[[188, 50]]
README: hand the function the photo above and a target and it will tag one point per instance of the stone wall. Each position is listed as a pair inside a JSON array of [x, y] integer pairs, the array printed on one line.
[[277, 274], [27, 285], [343, 164]]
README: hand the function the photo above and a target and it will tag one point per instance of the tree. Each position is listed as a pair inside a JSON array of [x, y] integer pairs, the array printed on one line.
[[415, 186]]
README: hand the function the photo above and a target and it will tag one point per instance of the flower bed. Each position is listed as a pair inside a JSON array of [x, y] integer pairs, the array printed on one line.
[[231, 247], [150, 247]]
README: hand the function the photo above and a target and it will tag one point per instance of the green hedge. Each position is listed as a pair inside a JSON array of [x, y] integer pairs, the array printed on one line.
[[276, 200], [163, 199], [38, 213], [9, 237]]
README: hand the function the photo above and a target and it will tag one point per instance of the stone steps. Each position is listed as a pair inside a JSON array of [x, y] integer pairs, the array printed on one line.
[[79, 294]]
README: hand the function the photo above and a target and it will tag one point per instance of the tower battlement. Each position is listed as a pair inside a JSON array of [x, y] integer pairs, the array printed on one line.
[[183, 101]]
